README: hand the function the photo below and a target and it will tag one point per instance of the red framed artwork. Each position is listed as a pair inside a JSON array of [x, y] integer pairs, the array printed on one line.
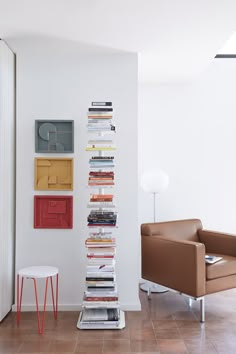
[[53, 212]]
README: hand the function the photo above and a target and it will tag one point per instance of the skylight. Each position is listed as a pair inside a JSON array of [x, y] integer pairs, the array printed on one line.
[[229, 49]]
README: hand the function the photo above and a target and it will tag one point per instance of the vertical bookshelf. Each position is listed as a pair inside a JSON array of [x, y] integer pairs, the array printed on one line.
[[101, 306]]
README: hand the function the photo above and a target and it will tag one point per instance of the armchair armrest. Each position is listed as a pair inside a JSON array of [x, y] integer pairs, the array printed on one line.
[[218, 242], [179, 265]]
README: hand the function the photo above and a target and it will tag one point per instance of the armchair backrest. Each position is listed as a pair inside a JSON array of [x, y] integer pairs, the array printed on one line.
[[175, 230]]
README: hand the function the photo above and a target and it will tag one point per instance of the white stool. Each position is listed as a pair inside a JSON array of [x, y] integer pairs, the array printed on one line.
[[36, 273]]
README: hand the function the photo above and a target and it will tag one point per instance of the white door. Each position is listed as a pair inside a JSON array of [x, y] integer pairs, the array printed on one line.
[[7, 177]]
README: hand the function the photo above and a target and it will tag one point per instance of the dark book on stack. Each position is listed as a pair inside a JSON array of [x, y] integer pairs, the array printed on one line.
[[101, 217], [100, 109]]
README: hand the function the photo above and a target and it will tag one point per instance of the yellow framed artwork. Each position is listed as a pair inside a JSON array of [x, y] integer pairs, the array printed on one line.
[[53, 174]]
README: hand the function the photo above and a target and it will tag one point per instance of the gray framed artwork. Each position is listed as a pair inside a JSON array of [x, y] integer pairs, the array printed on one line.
[[54, 136]]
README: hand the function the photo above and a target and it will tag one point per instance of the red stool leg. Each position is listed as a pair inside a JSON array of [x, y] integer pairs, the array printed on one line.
[[19, 298], [41, 330], [55, 308], [57, 294], [37, 305], [44, 306], [19, 301], [21, 292], [53, 302]]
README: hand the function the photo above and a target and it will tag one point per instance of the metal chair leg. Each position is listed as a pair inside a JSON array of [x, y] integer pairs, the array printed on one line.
[[202, 309], [149, 292]]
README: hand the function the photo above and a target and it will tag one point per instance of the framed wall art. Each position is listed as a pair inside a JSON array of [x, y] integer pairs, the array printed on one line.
[[53, 212], [54, 136], [53, 174]]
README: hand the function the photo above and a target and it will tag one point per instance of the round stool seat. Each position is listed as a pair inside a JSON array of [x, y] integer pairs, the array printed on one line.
[[38, 272]]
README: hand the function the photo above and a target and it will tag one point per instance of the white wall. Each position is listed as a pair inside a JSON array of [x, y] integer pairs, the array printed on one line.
[[189, 131], [58, 80], [7, 177]]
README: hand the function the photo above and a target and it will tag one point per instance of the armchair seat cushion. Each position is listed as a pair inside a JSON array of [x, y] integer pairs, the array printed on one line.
[[222, 268]]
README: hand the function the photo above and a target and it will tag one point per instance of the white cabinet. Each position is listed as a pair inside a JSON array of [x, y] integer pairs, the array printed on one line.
[[7, 177]]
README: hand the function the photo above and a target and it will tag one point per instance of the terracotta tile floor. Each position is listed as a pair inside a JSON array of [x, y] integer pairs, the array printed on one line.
[[165, 325]]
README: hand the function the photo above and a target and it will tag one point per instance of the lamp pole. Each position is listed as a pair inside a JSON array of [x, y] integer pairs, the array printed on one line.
[[154, 206], [154, 181]]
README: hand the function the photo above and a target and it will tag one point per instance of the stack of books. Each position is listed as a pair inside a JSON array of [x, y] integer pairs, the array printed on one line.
[[100, 239], [101, 178], [106, 318], [102, 218], [101, 198], [101, 201], [101, 307], [101, 252], [100, 117], [101, 290], [100, 144], [100, 162]]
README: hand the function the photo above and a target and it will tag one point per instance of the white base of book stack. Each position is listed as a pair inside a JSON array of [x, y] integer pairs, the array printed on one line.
[[120, 324]]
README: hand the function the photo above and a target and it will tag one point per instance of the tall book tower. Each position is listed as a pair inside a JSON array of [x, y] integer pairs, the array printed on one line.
[[101, 307]]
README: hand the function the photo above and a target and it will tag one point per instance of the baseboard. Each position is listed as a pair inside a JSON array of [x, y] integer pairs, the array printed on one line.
[[28, 308], [131, 307], [74, 307]]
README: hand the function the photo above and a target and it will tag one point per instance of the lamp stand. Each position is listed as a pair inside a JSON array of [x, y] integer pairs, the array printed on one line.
[[154, 206], [149, 286]]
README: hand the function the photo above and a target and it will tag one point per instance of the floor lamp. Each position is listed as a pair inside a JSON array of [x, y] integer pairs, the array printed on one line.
[[154, 181]]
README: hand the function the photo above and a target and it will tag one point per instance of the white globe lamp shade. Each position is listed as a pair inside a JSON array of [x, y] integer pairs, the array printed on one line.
[[154, 180]]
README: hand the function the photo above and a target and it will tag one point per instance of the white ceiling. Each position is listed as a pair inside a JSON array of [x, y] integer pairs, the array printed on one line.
[[175, 39]]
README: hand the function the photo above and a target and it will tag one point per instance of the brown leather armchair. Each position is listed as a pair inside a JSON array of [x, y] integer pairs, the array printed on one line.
[[173, 255]]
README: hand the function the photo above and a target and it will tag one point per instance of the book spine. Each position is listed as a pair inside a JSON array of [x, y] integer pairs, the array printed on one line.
[[101, 103], [100, 109]]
